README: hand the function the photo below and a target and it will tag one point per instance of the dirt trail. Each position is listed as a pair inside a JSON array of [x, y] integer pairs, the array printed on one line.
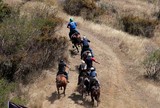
[[117, 74]]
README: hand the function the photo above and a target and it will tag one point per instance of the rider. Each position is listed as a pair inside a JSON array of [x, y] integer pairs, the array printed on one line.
[[93, 77], [87, 49], [89, 61], [61, 69], [72, 26], [82, 70], [85, 42]]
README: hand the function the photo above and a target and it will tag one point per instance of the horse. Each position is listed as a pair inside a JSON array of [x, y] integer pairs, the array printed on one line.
[[61, 82], [76, 40], [95, 94], [83, 87]]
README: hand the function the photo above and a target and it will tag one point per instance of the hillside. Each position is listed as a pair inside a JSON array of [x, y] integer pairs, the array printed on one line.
[[120, 71]]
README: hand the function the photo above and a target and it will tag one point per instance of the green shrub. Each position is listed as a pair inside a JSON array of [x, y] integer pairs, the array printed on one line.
[[5, 10], [29, 45], [139, 26], [152, 65], [86, 8], [7, 88]]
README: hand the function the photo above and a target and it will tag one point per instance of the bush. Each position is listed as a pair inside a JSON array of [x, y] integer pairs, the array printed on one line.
[[139, 26], [152, 65], [5, 10], [6, 88], [29, 45], [86, 8]]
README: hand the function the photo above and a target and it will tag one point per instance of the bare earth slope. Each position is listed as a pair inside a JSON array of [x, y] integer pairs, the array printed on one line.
[[119, 73]]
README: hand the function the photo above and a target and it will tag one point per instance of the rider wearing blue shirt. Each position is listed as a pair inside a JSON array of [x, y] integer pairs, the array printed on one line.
[[86, 49], [85, 42], [72, 26], [93, 72], [93, 77]]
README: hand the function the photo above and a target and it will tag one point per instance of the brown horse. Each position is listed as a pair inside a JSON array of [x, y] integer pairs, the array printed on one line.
[[95, 94], [61, 82], [76, 40]]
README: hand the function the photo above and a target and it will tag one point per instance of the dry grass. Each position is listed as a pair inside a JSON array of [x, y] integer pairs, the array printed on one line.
[[136, 7], [137, 47], [37, 10]]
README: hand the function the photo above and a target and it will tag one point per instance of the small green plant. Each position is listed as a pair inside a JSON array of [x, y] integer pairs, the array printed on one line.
[[5, 10], [139, 26], [7, 88], [152, 65]]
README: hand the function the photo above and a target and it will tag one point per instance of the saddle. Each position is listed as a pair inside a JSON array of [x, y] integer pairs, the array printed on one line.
[[59, 75], [75, 35]]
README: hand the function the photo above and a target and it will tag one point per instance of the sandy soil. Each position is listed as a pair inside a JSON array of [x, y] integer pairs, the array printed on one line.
[[122, 84]]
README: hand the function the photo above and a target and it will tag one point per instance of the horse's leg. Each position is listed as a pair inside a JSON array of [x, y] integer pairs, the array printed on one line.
[[92, 98], [58, 89], [64, 89], [98, 99], [82, 92], [76, 47]]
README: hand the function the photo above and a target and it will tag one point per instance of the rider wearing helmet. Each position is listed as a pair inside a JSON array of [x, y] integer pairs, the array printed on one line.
[[93, 77], [89, 61], [84, 49], [85, 42], [82, 70], [85, 45], [72, 26], [61, 69], [93, 72]]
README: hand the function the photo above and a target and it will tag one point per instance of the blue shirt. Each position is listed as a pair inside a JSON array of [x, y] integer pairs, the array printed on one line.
[[93, 74], [72, 25], [85, 42]]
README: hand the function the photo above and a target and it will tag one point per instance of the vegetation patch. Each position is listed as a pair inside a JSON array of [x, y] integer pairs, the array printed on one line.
[[139, 26], [5, 10], [7, 88], [152, 65], [27, 46], [86, 8]]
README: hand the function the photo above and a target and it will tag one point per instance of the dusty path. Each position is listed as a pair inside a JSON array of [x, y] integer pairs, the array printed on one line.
[[117, 73]]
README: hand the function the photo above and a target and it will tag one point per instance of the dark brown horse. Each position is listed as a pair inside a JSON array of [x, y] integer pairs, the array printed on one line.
[[76, 40], [95, 94], [83, 87], [61, 82]]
